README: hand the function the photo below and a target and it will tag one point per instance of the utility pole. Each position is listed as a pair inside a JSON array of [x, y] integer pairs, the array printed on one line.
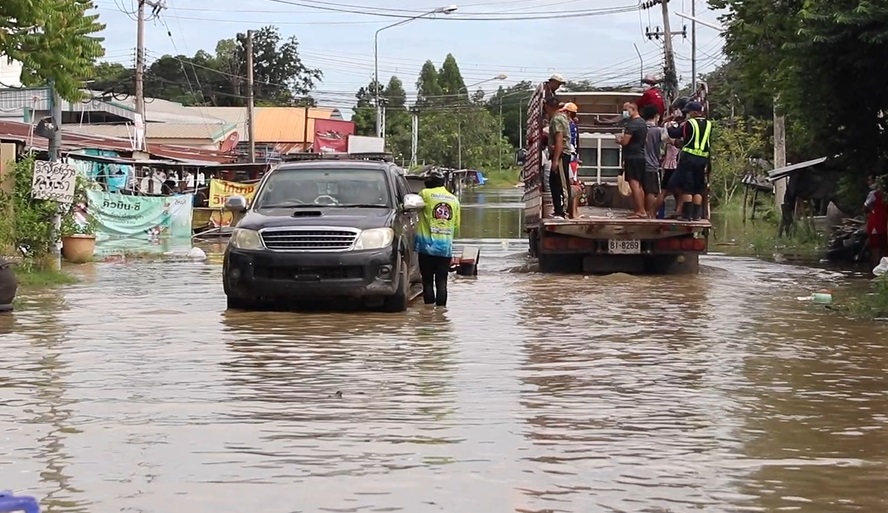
[[671, 78], [414, 139], [779, 152], [693, 46], [501, 130], [157, 6], [250, 100], [520, 125], [55, 154]]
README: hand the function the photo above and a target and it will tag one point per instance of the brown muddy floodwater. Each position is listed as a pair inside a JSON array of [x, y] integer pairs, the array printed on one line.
[[134, 391]]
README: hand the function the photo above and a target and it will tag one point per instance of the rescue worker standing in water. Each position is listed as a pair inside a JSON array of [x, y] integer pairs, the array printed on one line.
[[438, 224]]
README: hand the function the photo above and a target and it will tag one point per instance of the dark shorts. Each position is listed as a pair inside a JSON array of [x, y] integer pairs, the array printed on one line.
[[651, 182], [690, 177], [634, 169], [667, 175]]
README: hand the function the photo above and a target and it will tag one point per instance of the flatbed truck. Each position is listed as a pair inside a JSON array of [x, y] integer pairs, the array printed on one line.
[[602, 238]]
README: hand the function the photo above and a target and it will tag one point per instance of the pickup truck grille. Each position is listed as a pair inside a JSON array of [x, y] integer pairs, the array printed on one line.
[[308, 273], [309, 240]]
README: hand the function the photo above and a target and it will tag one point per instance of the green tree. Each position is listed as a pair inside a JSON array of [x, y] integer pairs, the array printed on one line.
[[364, 116], [739, 144], [398, 123], [55, 40], [111, 77], [512, 102], [428, 90], [279, 74], [450, 81], [824, 61]]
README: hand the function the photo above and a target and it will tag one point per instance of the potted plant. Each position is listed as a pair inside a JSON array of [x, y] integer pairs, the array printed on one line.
[[78, 229]]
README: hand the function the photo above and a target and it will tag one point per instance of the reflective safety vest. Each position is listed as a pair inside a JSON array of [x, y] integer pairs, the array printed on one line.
[[699, 145]]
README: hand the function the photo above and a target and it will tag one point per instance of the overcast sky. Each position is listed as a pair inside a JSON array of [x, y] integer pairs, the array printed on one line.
[[597, 48]]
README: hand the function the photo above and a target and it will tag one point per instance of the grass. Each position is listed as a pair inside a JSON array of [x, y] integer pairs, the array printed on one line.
[[43, 278], [759, 237], [503, 177], [872, 304]]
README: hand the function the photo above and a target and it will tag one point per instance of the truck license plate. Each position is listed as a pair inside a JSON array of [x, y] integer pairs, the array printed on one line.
[[623, 247]]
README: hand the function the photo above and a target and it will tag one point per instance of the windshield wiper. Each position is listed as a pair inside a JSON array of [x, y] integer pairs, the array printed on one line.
[[361, 205]]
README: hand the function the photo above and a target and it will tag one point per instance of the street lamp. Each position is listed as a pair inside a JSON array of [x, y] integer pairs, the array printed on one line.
[[501, 76], [449, 9]]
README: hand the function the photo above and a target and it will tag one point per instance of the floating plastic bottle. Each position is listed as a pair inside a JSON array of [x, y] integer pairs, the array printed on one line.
[[10, 503]]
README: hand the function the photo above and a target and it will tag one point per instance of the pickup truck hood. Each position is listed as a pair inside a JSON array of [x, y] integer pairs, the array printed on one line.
[[360, 218]]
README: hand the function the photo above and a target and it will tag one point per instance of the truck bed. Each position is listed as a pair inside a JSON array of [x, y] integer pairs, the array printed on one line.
[[619, 216], [612, 223]]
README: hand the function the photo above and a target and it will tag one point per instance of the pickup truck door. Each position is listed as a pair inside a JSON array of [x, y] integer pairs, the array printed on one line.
[[408, 222]]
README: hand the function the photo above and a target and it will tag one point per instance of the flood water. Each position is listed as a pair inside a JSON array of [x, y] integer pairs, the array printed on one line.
[[135, 391]]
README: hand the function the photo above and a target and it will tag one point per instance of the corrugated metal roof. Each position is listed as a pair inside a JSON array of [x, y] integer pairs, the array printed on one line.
[[203, 131], [72, 140], [13, 101]]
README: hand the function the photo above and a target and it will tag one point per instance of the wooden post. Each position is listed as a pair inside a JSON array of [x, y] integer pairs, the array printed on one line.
[[779, 153], [305, 131]]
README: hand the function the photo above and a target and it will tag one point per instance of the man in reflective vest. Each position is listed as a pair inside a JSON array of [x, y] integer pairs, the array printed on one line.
[[693, 162]]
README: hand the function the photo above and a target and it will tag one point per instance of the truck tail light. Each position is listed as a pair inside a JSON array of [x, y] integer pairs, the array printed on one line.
[[681, 244]]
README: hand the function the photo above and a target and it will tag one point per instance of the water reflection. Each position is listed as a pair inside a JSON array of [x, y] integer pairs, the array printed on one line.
[[136, 391]]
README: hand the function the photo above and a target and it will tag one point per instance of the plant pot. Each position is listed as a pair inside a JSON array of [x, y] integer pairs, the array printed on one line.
[[78, 249], [8, 286]]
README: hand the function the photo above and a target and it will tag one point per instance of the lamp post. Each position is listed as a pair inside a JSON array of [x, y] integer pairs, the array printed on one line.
[[440, 10], [501, 76]]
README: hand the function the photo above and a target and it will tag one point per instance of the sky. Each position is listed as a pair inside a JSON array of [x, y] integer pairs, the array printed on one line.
[[580, 39]]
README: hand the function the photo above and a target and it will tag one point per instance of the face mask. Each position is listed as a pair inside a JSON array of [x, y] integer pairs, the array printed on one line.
[[645, 87], [625, 114]]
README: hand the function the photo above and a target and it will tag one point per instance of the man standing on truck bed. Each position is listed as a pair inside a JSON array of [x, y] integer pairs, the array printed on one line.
[[559, 153], [632, 139], [438, 224], [690, 176], [653, 147]]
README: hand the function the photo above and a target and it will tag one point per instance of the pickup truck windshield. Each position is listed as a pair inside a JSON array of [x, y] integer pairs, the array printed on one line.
[[324, 187]]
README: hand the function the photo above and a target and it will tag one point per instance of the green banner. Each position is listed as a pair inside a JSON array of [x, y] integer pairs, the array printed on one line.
[[121, 215]]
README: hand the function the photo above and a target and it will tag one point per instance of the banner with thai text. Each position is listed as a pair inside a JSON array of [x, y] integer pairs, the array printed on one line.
[[220, 190], [121, 215]]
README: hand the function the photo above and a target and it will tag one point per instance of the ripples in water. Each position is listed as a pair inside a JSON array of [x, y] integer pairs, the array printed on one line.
[[135, 391]]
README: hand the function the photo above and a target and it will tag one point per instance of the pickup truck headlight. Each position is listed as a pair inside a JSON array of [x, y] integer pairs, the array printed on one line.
[[246, 239], [375, 238]]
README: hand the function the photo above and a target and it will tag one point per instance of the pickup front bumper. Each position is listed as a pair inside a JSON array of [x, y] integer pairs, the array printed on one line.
[[270, 275]]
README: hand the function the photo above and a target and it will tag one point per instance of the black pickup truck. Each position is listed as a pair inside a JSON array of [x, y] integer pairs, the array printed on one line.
[[326, 228]]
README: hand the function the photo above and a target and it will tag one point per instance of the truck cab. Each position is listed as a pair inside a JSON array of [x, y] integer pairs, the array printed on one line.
[[327, 227]]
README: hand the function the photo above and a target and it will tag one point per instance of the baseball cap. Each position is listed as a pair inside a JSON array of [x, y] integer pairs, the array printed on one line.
[[558, 78], [694, 107], [570, 107]]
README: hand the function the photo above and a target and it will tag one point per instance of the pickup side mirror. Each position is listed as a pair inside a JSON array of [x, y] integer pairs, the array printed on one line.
[[236, 204], [413, 202], [520, 156]]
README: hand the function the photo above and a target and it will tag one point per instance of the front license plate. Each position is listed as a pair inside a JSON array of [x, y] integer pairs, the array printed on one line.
[[624, 247]]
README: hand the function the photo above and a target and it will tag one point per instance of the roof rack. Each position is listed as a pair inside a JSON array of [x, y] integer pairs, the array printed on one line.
[[296, 157]]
